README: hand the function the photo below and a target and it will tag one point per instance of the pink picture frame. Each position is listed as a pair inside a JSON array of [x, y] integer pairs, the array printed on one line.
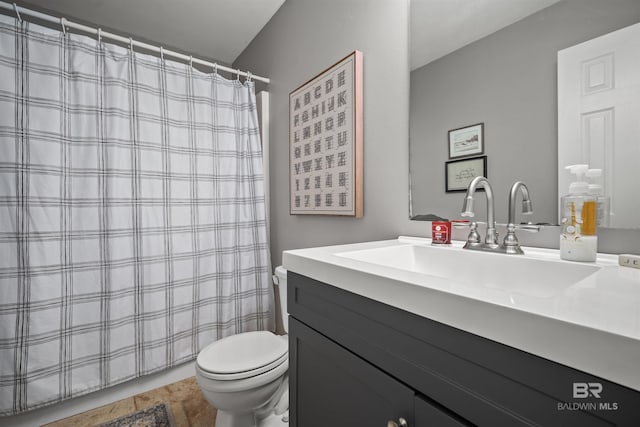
[[326, 142]]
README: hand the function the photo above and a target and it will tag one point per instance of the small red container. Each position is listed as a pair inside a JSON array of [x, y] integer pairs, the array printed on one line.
[[440, 233]]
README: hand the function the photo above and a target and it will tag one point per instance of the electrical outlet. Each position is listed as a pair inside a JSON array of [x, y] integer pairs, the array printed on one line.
[[628, 260]]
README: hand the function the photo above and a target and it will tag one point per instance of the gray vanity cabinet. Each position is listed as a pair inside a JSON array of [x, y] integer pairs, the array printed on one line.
[[355, 362], [333, 387]]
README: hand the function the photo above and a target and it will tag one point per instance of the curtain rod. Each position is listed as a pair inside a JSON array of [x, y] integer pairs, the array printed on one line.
[[18, 10]]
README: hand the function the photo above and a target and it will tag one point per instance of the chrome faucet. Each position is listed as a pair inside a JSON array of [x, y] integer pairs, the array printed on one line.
[[511, 244], [491, 238]]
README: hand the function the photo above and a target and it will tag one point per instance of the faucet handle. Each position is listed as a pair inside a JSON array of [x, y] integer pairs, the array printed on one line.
[[466, 224], [474, 236], [527, 227], [460, 224], [511, 244]]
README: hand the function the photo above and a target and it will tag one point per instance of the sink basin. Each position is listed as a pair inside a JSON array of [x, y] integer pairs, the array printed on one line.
[[477, 270]]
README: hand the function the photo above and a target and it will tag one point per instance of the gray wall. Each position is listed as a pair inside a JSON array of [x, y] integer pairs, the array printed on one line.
[[302, 39], [508, 81]]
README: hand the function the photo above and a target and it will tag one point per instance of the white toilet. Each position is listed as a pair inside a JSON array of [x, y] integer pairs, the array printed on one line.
[[244, 376]]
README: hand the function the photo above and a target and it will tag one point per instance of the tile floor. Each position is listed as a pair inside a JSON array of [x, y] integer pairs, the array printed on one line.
[[188, 407]]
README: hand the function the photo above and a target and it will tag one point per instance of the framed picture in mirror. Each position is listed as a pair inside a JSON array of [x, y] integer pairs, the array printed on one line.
[[466, 141], [459, 173]]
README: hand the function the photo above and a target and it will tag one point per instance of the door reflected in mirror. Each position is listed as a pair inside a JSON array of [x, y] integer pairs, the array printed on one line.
[[598, 104]]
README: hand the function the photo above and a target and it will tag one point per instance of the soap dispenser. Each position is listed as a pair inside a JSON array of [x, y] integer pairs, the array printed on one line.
[[603, 204], [578, 240]]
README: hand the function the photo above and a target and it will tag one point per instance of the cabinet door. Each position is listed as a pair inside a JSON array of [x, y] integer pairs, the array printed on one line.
[[330, 386], [430, 414]]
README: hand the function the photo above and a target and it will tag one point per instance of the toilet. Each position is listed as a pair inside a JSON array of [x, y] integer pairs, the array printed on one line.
[[245, 376]]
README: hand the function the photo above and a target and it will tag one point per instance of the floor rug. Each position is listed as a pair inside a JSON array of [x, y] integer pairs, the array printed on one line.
[[154, 416]]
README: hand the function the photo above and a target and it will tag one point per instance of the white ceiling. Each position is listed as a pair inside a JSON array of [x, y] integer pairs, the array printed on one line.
[[439, 27], [212, 29]]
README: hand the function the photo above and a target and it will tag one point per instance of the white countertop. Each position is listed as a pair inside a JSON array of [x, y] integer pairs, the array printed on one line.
[[592, 325]]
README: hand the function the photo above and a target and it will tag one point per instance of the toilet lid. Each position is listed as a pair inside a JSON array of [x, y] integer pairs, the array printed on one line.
[[243, 353]]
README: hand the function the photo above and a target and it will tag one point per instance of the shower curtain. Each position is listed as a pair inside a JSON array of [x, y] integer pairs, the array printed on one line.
[[132, 229]]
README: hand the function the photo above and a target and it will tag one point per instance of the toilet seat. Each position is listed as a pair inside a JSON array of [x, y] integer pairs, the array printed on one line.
[[246, 374], [250, 383], [243, 355]]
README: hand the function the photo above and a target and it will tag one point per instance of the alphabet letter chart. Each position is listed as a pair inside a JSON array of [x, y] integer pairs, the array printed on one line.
[[325, 141]]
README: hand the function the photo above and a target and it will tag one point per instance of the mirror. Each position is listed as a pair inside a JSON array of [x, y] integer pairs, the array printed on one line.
[[504, 76]]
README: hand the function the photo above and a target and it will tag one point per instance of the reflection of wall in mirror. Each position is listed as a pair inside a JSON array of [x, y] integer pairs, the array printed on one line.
[[512, 89]]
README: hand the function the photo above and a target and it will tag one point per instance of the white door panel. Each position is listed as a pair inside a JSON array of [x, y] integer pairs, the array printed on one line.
[[599, 117]]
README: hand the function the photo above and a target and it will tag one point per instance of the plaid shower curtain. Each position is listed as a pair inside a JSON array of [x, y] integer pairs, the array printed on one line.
[[132, 228]]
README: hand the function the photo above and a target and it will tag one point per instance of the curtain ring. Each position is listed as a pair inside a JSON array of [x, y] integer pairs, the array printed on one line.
[[62, 22], [99, 35], [215, 68], [131, 44], [191, 61], [238, 74], [249, 76], [15, 7], [161, 53]]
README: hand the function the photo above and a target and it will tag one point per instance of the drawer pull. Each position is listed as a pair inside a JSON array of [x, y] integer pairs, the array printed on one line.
[[401, 423]]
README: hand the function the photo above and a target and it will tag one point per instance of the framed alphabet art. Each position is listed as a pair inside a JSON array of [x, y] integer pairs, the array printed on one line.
[[325, 142]]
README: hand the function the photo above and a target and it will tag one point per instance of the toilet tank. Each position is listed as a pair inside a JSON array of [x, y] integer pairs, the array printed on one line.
[[280, 282]]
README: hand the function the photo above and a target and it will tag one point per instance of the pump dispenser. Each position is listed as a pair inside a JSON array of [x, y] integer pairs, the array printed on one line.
[[579, 186], [578, 240], [603, 203]]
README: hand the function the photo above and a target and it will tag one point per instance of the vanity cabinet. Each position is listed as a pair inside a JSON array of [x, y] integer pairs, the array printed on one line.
[[334, 387], [357, 362]]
